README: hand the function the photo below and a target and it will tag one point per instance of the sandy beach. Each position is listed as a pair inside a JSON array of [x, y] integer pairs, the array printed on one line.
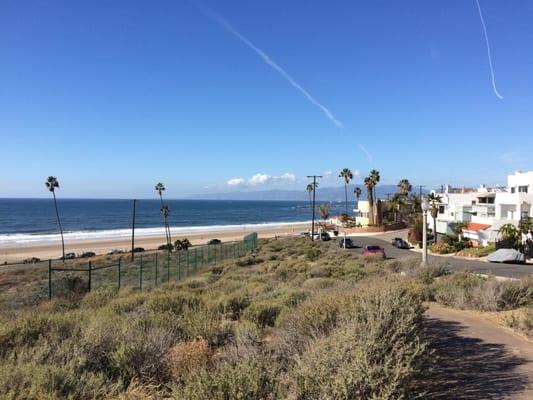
[[12, 253]]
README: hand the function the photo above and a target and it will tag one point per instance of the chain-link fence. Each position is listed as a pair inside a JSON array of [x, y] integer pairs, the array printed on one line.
[[145, 270]]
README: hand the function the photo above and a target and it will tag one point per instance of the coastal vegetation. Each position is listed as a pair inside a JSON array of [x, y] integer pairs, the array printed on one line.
[[298, 319], [294, 320]]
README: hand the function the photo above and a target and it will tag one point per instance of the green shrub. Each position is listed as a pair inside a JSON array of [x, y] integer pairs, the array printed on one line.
[[263, 313], [313, 253], [250, 379]]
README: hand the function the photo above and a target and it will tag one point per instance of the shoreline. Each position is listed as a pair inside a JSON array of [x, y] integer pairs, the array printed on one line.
[[13, 253]]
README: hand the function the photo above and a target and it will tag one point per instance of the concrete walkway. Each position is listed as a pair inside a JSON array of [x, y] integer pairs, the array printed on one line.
[[476, 359]]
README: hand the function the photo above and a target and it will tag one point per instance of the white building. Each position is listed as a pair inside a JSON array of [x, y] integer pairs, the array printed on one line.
[[486, 210]]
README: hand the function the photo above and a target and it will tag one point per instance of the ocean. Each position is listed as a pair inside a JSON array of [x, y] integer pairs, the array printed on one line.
[[25, 221]]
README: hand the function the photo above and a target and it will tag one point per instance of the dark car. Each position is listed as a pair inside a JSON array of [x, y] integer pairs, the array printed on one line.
[[374, 251], [87, 254], [70, 256], [214, 241], [138, 249], [346, 243], [400, 243]]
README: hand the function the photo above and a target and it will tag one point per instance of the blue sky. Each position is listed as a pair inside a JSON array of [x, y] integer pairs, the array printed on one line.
[[112, 97]]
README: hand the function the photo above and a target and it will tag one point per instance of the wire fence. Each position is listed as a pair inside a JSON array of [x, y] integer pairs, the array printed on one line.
[[145, 270]]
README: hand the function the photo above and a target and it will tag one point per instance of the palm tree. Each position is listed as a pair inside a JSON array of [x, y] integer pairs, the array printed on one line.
[[511, 235], [309, 189], [395, 204], [52, 184], [165, 211], [434, 201], [324, 213], [347, 175], [369, 184], [404, 186], [374, 175], [357, 191]]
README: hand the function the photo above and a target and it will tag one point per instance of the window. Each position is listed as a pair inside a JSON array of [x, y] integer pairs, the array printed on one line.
[[513, 190], [522, 189], [441, 209]]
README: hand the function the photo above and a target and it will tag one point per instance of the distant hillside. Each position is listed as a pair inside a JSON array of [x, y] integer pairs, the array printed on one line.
[[322, 194]]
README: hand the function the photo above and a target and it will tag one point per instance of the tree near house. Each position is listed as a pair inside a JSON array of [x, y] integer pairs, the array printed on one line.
[[324, 213], [525, 225], [374, 175], [369, 185], [434, 201], [52, 184], [347, 176], [511, 235], [404, 187], [394, 205]]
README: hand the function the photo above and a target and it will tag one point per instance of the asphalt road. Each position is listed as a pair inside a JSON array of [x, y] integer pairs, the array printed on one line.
[[454, 263]]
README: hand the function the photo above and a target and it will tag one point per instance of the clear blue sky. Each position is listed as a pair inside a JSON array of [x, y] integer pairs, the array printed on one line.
[[114, 96]]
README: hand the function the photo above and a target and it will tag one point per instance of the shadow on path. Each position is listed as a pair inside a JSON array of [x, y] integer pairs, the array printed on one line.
[[466, 368]]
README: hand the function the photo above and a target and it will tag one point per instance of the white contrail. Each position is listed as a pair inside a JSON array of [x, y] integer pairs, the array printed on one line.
[[368, 155], [266, 58], [488, 51]]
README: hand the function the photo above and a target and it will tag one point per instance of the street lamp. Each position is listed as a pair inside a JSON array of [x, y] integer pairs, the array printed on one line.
[[425, 208]]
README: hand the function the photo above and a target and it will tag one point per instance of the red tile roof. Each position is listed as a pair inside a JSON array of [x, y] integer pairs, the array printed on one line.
[[473, 227]]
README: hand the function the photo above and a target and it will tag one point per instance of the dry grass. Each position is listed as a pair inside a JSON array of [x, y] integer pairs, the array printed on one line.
[[300, 320]]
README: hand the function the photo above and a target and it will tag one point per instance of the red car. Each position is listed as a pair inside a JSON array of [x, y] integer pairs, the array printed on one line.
[[374, 251]]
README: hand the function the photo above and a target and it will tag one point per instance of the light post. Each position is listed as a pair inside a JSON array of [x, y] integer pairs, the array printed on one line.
[[425, 207]]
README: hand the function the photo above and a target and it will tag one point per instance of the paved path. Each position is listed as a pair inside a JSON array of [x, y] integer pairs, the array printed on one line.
[[476, 359], [454, 263]]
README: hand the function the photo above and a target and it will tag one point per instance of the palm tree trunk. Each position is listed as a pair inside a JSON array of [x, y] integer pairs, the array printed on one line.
[[370, 207], [346, 198], [434, 230], [60, 227], [165, 224]]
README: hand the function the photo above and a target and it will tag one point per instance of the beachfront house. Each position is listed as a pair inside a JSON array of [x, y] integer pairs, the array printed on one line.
[[485, 209]]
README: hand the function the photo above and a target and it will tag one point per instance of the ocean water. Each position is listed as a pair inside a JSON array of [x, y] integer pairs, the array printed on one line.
[[33, 220]]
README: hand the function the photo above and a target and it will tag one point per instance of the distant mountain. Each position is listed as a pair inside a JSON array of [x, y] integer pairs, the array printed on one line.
[[322, 194]]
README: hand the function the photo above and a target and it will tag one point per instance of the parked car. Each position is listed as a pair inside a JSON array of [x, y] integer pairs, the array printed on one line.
[[70, 256], [116, 251], [31, 260], [510, 256], [138, 249], [305, 234], [372, 250], [87, 254], [324, 236], [214, 241], [400, 243], [346, 243]]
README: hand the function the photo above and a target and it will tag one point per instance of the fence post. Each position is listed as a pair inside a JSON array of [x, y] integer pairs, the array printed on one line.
[[49, 279], [168, 266], [90, 274], [179, 265], [195, 259], [141, 275], [215, 254], [187, 262], [155, 269], [119, 262]]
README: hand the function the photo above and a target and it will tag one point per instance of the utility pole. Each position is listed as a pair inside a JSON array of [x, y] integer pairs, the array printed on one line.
[[388, 195], [420, 190], [133, 231], [314, 190]]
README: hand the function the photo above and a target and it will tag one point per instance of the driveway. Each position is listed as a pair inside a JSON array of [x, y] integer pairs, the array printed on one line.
[[454, 263]]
